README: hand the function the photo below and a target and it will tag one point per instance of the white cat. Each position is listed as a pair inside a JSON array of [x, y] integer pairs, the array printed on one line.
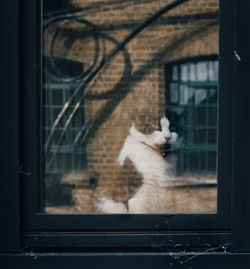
[[156, 172]]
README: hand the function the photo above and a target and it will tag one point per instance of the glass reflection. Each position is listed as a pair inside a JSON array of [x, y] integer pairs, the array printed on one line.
[[102, 101]]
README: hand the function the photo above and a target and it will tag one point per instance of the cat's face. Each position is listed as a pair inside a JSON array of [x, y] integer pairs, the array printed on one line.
[[165, 135]]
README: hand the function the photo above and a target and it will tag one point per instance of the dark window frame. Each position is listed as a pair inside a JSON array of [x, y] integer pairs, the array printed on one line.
[[16, 244]]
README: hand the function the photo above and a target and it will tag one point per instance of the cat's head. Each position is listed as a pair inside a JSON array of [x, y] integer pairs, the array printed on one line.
[[164, 136], [158, 137]]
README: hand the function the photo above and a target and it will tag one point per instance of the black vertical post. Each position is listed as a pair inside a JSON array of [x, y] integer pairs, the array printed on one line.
[[9, 135], [30, 104], [241, 148]]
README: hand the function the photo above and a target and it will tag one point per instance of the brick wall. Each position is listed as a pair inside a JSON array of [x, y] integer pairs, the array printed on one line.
[[136, 76]]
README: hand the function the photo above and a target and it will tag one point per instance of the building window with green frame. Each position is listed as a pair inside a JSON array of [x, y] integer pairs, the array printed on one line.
[[62, 154], [191, 104]]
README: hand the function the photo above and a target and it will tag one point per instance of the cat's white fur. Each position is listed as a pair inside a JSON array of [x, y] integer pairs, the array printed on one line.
[[156, 172]]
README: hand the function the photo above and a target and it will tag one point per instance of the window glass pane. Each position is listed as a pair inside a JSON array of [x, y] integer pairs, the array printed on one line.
[[174, 93], [175, 73], [202, 71], [184, 72], [129, 117], [183, 95], [200, 96], [213, 70], [192, 68]]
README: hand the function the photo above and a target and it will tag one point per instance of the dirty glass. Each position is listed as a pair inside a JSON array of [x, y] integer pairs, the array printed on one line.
[[129, 99]]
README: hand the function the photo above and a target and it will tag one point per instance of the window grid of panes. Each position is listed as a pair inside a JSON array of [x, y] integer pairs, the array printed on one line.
[[62, 156], [192, 98]]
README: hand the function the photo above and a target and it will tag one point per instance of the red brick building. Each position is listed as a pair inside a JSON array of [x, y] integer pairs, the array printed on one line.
[[132, 86]]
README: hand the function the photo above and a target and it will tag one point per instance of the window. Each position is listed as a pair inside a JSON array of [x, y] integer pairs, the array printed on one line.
[[94, 90], [110, 82], [62, 155], [25, 228], [116, 87], [192, 88]]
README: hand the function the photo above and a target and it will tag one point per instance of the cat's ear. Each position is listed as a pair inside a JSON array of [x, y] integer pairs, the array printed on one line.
[[164, 118], [164, 122]]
